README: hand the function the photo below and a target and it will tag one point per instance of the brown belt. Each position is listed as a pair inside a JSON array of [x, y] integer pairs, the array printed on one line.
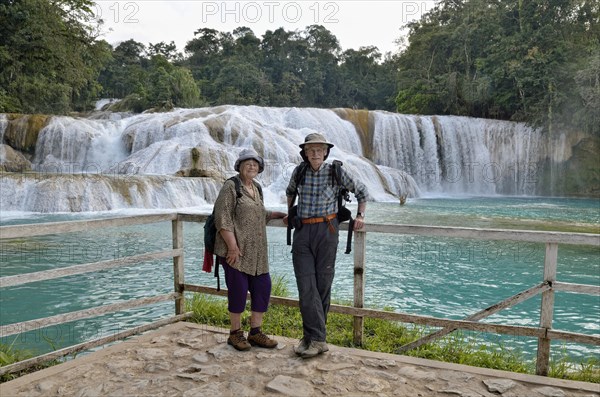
[[319, 219]]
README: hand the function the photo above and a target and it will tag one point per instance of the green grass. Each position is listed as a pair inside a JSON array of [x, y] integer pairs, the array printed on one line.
[[9, 355], [387, 336]]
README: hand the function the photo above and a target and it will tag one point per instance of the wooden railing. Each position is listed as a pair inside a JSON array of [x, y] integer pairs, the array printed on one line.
[[548, 285]]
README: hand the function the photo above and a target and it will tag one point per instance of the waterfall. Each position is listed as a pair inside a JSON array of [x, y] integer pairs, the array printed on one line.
[[3, 125], [3, 149], [460, 155], [115, 161], [88, 192]]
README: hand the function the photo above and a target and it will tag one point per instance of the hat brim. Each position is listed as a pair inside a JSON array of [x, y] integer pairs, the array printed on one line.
[[316, 143], [258, 159]]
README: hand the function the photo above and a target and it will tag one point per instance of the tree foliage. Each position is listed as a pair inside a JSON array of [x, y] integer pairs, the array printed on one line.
[[150, 75], [529, 61], [289, 68], [536, 61], [49, 56]]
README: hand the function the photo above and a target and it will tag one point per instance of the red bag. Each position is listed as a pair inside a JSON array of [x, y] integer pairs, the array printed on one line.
[[208, 261]]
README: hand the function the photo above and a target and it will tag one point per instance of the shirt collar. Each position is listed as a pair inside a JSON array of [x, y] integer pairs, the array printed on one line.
[[320, 168]]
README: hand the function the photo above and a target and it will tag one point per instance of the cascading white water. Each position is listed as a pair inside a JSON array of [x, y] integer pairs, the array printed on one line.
[[3, 125], [3, 149], [412, 155], [86, 193], [460, 155], [69, 145]]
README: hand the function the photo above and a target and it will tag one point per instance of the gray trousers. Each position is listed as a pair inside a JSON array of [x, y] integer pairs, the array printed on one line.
[[313, 253]]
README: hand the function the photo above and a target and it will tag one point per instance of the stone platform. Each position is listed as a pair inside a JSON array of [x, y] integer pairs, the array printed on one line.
[[186, 359]]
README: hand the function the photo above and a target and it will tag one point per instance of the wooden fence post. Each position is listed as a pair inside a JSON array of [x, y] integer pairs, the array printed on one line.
[[547, 309], [178, 273], [360, 238]]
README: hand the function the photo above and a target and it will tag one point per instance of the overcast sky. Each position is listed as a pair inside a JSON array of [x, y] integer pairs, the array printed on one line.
[[355, 23]]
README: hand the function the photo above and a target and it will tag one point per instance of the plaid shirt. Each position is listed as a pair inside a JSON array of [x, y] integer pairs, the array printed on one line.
[[317, 196]]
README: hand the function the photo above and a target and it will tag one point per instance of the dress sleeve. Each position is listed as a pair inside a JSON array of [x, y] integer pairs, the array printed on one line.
[[225, 207]]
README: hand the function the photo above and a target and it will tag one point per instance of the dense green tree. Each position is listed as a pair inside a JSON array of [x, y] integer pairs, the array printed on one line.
[[243, 84], [507, 59], [283, 55], [169, 51], [287, 68], [125, 71], [184, 89], [360, 72], [321, 75], [150, 76], [246, 46], [536, 61], [205, 57], [49, 56]]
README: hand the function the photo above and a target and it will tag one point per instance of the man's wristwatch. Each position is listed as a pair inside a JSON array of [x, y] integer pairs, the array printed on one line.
[[361, 214]]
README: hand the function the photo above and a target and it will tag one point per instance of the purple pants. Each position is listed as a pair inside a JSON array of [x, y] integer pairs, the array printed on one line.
[[238, 286]]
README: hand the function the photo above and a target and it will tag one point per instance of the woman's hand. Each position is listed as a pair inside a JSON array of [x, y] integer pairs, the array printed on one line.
[[233, 251], [277, 215], [233, 255]]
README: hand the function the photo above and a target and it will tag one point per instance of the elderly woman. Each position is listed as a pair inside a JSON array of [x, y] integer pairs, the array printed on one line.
[[241, 248]]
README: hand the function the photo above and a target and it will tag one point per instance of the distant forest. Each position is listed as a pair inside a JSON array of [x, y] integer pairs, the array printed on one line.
[[536, 61]]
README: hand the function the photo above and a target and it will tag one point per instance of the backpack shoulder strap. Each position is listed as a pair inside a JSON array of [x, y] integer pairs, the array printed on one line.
[[301, 173], [336, 172], [238, 186]]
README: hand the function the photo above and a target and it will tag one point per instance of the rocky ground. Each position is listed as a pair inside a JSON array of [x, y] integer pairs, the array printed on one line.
[[186, 359]]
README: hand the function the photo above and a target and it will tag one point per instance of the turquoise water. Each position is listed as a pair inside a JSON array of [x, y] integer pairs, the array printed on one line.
[[442, 277]]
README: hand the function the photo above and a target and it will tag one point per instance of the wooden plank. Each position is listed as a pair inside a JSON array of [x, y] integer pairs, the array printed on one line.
[[574, 337], [488, 234], [26, 278], [426, 320], [360, 242], [40, 229], [400, 317], [198, 218], [577, 288], [506, 303], [17, 328], [205, 290], [178, 272], [532, 236], [22, 365], [547, 309], [440, 322], [273, 300]]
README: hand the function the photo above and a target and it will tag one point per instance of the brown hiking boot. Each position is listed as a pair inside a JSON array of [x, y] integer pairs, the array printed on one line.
[[238, 341], [262, 340]]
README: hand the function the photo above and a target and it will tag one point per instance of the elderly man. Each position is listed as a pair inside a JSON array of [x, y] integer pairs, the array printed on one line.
[[316, 236]]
